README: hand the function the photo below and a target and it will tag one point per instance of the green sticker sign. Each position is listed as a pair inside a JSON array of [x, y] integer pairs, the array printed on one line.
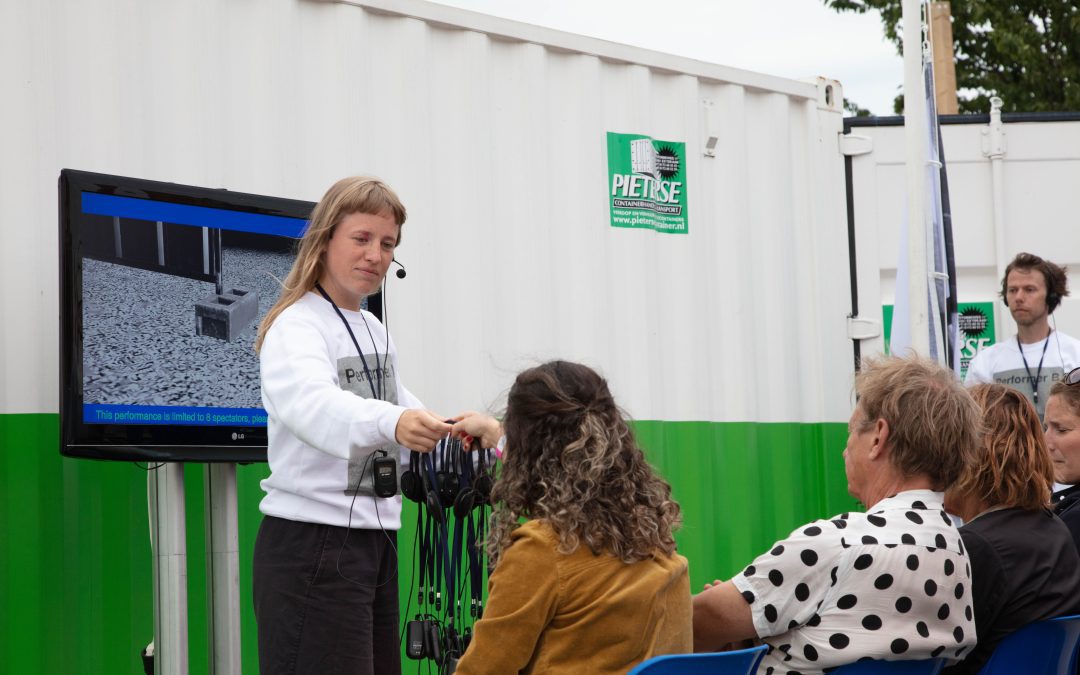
[[647, 183], [976, 329]]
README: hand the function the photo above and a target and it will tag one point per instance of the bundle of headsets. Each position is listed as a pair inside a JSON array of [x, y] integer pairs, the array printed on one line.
[[453, 489]]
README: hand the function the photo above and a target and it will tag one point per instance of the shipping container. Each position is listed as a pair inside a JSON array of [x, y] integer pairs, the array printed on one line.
[[722, 328]]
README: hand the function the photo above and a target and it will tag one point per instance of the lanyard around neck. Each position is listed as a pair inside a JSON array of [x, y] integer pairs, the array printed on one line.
[[1038, 373], [367, 373]]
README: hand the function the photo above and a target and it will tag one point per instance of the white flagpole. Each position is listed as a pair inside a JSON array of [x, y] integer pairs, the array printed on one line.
[[915, 134]]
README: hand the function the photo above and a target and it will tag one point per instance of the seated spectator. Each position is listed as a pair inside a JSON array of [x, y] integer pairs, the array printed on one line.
[[590, 583], [1024, 565], [891, 583], [1063, 440]]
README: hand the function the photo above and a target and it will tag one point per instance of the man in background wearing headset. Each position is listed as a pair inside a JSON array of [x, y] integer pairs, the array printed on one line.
[[1038, 355]]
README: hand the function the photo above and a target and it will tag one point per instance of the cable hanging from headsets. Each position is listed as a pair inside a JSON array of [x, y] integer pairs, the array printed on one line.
[[453, 490]]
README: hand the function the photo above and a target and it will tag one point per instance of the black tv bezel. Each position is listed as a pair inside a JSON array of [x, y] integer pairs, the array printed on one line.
[[143, 442]]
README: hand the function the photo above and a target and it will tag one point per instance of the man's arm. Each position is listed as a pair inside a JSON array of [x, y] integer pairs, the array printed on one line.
[[721, 615]]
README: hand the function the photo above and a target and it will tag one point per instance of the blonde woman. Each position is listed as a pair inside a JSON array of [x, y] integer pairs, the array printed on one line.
[[325, 561], [591, 582], [1024, 566]]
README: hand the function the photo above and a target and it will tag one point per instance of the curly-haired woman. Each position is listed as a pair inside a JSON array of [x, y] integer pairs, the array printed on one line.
[[590, 582]]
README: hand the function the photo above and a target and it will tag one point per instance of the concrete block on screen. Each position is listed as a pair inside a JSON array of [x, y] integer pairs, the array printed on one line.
[[227, 315]]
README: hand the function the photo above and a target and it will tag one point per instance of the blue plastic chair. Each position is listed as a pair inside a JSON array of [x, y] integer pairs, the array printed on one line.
[[875, 667], [1041, 648], [740, 662]]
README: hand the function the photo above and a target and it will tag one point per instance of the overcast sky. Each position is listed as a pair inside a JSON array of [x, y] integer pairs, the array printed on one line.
[[789, 38]]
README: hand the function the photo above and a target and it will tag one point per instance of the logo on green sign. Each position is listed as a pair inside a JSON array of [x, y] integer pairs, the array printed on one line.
[[976, 328], [647, 183]]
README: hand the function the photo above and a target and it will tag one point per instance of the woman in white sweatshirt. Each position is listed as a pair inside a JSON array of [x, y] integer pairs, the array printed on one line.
[[325, 561]]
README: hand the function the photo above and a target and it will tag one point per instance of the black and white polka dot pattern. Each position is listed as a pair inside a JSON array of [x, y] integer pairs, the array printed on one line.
[[889, 583]]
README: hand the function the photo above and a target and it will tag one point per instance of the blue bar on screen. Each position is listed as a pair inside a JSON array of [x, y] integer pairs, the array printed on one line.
[[185, 214], [96, 413]]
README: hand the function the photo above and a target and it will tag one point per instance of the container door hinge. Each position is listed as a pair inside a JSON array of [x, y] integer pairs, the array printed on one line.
[[852, 145], [862, 329]]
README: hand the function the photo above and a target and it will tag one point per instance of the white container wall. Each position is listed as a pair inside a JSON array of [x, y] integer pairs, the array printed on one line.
[[494, 134]]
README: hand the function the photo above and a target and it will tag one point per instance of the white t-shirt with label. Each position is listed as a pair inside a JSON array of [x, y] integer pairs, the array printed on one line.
[[1002, 363]]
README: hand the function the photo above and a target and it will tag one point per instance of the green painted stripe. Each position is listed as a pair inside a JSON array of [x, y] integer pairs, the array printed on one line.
[[76, 554], [75, 575], [742, 486]]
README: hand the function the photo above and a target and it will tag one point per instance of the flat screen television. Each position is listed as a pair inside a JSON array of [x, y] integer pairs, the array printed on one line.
[[162, 287]]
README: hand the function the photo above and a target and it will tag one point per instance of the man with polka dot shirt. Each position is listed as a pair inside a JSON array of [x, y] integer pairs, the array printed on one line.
[[891, 583]]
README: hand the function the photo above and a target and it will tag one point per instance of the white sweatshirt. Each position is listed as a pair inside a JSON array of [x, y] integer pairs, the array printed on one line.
[[323, 422]]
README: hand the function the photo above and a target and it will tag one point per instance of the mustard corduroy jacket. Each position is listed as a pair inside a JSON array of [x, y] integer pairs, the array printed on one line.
[[578, 613]]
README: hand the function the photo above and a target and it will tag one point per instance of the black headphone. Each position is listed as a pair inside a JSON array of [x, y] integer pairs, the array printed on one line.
[[412, 484], [431, 493], [401, 272], [466, 497], [484, 481], [446, 478]]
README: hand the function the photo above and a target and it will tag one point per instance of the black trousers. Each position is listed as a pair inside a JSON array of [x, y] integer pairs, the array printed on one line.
[[313, 618]]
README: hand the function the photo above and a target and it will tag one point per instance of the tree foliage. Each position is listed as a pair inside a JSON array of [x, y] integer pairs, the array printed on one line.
[[1025, 51], [853, 109]]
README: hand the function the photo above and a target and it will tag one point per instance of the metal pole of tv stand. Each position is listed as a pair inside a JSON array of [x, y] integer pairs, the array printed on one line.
[[170, 569], [169, 539], [222, 568]]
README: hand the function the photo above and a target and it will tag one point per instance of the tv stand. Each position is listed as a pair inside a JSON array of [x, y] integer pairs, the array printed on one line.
[[168, 541]]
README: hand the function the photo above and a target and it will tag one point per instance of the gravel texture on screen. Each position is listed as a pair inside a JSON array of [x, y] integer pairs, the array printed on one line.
[[139, 341]]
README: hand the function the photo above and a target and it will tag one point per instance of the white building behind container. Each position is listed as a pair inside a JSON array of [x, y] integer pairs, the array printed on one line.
[[1034, 206]]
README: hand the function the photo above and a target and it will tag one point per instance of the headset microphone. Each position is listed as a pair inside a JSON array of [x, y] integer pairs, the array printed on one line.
[[401, 272]]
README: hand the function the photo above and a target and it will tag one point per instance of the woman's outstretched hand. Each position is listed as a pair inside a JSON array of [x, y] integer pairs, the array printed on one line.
[[477, 430]]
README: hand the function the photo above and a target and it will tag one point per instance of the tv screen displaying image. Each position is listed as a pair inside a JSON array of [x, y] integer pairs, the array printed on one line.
[[162, 290]]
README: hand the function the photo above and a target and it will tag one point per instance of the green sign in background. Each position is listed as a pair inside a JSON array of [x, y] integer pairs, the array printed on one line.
[[647, 183], [976, 329]]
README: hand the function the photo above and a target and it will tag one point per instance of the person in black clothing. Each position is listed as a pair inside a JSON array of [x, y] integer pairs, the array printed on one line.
[[1063, 440], [1024, 564]]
